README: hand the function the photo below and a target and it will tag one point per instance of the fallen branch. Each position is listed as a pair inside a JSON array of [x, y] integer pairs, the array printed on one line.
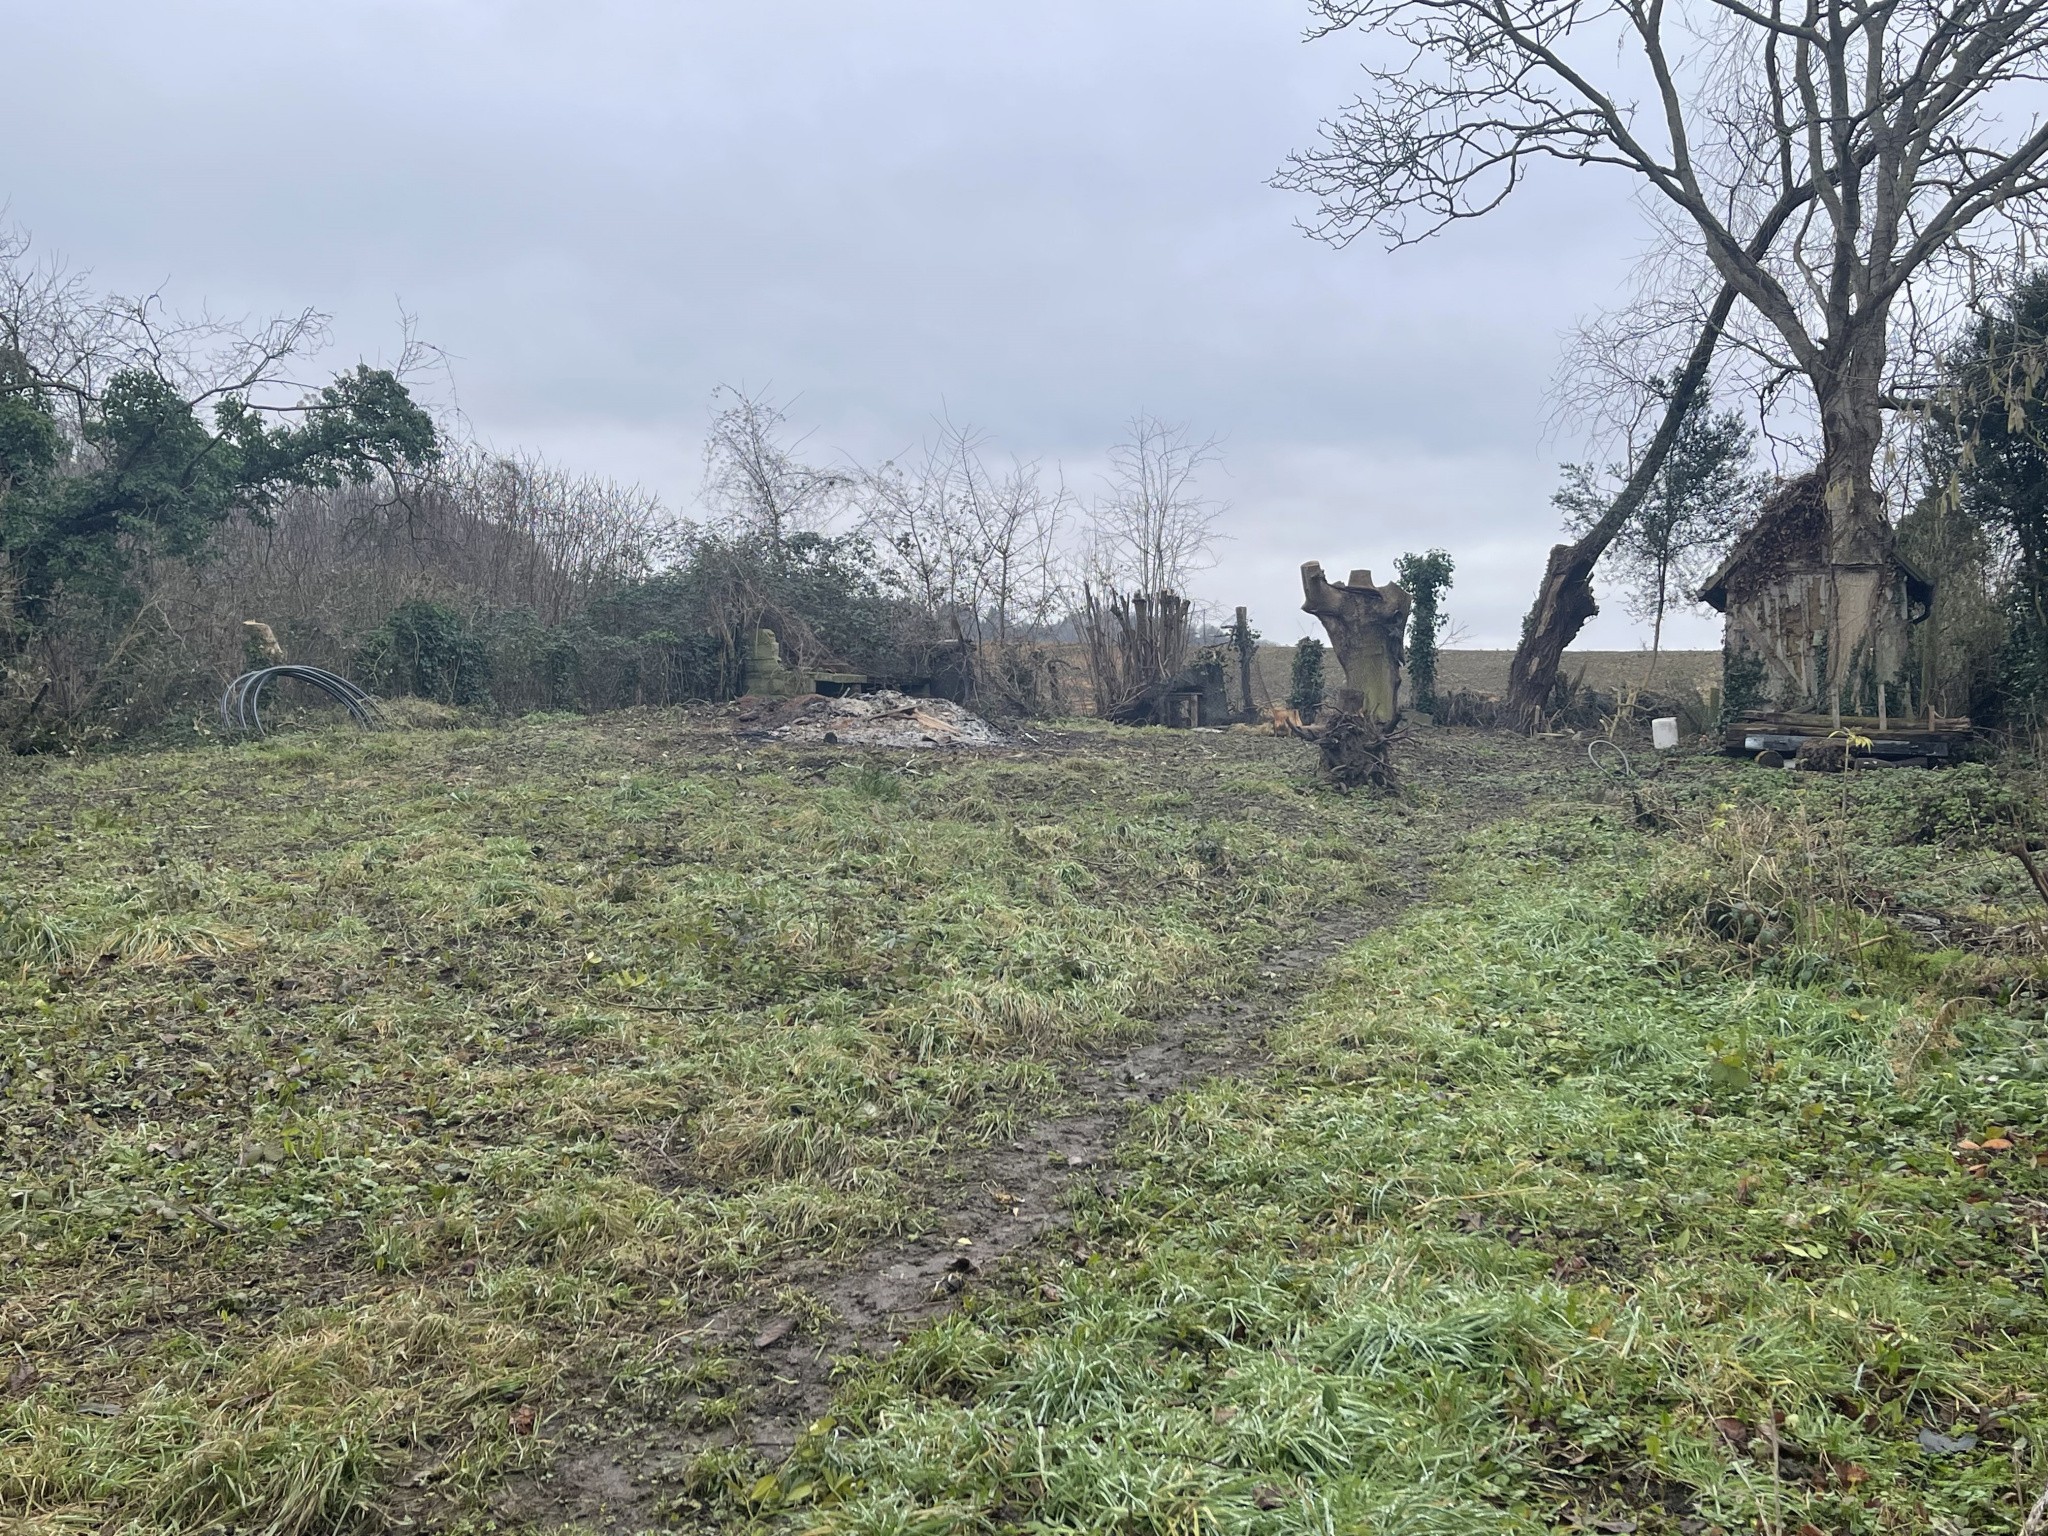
[[2026, 858]]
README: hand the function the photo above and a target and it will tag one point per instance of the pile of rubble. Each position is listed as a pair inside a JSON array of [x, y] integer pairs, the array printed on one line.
[[882, 719]]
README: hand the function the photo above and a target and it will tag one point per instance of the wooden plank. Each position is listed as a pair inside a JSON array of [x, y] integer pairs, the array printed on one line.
[[1787, 733], [1863, 725]]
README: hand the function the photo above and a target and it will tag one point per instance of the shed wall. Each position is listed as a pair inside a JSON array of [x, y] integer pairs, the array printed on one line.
[[1783, 623]]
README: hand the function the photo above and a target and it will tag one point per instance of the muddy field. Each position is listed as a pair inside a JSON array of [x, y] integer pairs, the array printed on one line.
[[544, 1046], [639, 1124], [1486, 672]]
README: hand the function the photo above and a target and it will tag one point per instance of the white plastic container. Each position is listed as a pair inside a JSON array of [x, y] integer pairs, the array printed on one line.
[[1664, 733]]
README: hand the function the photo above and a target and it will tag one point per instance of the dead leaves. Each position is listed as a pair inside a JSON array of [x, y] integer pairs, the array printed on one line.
[[1976, 1153]]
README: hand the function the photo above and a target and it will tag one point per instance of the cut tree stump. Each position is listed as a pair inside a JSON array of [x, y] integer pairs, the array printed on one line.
[[1367, 625]]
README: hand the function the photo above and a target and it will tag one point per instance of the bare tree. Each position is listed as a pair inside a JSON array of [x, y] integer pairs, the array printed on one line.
[[754, 477], [975, 546], [528, 535], [977, 549], [1830, 163], [1154, 528], [73, 339]]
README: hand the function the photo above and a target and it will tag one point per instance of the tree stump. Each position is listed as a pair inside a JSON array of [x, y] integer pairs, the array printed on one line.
[[1357, 750], [1367, 625]]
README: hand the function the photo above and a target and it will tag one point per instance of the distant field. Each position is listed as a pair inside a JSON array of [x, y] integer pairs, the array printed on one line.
[[1486, 672], [1480, 672]]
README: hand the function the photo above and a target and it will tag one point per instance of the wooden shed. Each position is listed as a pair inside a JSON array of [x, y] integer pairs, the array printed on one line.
[[1818, 619]]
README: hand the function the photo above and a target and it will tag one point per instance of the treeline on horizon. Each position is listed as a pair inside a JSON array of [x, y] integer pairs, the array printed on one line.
[[161, 483]]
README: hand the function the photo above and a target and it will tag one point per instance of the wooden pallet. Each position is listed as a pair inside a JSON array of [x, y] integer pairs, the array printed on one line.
[[1936, 740]]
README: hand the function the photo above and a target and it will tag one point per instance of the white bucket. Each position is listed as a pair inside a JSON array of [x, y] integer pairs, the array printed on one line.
[[1664, 733]]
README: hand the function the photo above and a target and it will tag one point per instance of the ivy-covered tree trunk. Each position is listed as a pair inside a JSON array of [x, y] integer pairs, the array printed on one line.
[[1305, 685], [1424, 577]]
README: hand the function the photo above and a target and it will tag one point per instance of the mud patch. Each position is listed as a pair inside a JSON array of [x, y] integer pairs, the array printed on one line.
[[775, 1371], [1008, 1196]]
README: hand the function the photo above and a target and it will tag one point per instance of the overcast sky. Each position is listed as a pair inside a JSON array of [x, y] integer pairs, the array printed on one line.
[[1039, 217]]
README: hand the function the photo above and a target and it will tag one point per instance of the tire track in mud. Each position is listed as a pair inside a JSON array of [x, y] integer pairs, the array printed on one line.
[[993, 1204], [1000, 1200]]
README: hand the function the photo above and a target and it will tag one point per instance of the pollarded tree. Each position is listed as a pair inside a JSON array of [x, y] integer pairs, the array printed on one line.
[[1830, 163]]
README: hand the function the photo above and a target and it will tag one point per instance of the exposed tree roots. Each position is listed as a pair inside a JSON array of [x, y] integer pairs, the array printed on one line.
[[1357, 750]]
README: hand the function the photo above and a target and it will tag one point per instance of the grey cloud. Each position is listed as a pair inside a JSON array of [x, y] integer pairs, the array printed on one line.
[[1042, 217]]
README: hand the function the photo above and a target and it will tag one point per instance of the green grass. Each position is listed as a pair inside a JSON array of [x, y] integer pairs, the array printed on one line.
[[364, 1098], [369, 1104], [1559, 1210]]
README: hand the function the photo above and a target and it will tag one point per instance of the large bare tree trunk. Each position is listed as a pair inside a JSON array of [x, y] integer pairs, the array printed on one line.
[[1367, 625], [1859, 539], [1565, 601]]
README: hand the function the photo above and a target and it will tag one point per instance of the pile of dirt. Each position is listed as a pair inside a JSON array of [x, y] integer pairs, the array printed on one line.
[[884, 719]]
